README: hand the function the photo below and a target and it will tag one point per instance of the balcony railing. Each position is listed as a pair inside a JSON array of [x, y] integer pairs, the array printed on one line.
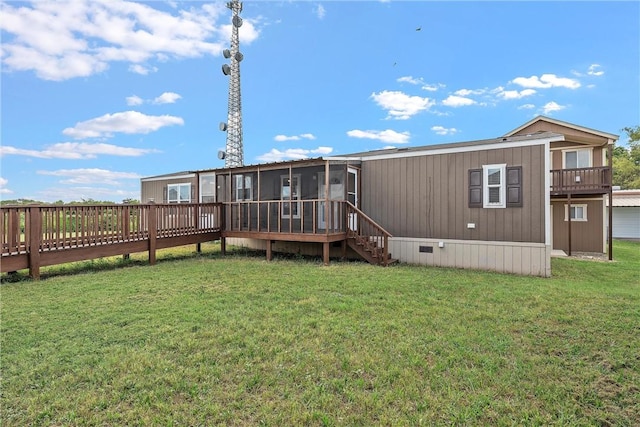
[[581, 180]]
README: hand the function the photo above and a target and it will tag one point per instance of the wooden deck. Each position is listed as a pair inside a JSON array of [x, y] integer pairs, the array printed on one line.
[[35, 236]]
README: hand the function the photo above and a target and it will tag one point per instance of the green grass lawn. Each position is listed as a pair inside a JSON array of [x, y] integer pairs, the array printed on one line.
[[211, 340]]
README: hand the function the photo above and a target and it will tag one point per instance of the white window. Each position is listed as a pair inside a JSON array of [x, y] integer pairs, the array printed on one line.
[[494, 192], [243, 187], [577, 158], [208, 188], [578, 212], [290, 190], [179, 193]]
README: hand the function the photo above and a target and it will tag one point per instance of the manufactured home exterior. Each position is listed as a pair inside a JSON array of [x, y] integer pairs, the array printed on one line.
[[424, 197], [581, 184], [481, 204]]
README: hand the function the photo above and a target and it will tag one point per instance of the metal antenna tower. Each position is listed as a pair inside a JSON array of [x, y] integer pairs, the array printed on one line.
[[234, 152]]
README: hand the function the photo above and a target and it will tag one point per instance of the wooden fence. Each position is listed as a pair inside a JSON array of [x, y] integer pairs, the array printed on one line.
[[37, 236]]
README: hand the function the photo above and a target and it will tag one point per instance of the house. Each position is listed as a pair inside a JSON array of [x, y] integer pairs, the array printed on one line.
[[580, 178], [626, 214], [479, 204]]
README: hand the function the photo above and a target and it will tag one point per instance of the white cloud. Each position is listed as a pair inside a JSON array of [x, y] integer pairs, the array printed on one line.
[[140, 69], [167, 98], [389, 136], [546, 81], [458, 101], [514, 94], [320, 11], [401, 106], [440, 130], [276, 155], [433, 87], [76, 150], [134, 100], [130, 122], [526, 107], [282, 138], [467, 92], [3, 186], [63, 40], [552, 106], [90, 176], [594, 70], [411, 79]]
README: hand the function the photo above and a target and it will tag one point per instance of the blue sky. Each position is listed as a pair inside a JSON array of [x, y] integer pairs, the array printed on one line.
[[97, 94]]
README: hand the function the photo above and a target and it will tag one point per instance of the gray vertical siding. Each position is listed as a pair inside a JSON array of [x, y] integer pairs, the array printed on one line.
[[505, 257], [155, 189], [427, 196]]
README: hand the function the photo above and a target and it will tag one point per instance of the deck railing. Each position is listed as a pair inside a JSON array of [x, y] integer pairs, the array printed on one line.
[[316, 216], [595, 180], [35, 235]]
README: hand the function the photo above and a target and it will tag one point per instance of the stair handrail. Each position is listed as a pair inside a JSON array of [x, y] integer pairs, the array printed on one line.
[[380, 232]]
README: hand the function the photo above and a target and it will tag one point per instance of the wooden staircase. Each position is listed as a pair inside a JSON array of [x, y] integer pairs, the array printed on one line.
[[367, 238]]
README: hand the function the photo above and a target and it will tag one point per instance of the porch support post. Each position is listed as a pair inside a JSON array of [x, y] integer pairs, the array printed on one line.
[[569, 219], [35, 241], [343, 246], [325, 253], [610, 233], [259, 203], [269, 254], [327, 208], [290, 198]]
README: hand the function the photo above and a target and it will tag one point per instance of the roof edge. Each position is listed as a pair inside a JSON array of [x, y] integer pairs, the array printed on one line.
[[566, 124]]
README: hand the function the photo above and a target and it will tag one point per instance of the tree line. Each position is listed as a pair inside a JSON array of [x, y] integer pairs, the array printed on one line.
[[22, 202], [626, 161]]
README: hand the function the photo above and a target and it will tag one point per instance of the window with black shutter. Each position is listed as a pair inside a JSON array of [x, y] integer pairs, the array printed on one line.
[[514, 187], [475, 188]]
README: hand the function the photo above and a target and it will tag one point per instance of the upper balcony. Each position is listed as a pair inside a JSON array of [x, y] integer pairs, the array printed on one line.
[[595, 180]]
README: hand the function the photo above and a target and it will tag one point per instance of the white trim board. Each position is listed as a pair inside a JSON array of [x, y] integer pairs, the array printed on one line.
[[166, 178], [451, 150]]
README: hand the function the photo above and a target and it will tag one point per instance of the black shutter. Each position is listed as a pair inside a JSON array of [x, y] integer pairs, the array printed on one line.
[[514, 187], [193, 193], [164, 194], [475, 188]]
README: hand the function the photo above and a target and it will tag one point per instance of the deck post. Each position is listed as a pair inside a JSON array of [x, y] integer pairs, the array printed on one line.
[[222, 222], [610, 182], [325, 253], [126, 228], [326, 198], [35, 240], [386, 250], [153, 232], [269, 254], [569, 220], [343, 247]]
